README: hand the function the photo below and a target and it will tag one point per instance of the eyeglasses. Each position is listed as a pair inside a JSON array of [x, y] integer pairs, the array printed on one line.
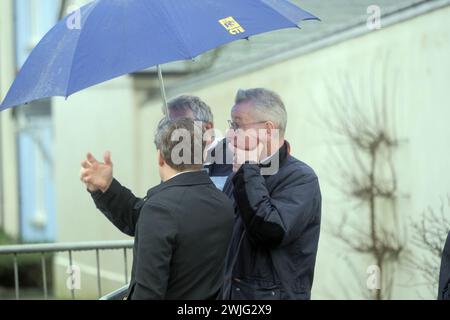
[[234, 126]]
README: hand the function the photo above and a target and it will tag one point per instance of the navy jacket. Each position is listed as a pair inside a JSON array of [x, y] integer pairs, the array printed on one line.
[[276, 232], [444, 276], [182, 231]]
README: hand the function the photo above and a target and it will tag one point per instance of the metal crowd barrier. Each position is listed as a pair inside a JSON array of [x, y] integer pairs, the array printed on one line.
[[43, 249]]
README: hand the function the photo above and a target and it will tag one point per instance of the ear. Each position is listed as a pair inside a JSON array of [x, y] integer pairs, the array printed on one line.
[[209, 126], [269, 127], [161, 161], [209, 134]]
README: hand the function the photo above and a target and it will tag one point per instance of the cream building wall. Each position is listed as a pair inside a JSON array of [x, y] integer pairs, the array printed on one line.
[[102, 118], [414, 53]]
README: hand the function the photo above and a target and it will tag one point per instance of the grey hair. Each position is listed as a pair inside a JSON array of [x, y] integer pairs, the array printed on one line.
[[201, 111], [268, 103], [166, 143]]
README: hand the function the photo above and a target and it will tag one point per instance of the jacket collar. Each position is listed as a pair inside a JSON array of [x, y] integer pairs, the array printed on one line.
[[282, 153], [184, 179]]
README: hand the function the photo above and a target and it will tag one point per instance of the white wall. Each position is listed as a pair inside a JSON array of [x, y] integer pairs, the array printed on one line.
[[98, 119]]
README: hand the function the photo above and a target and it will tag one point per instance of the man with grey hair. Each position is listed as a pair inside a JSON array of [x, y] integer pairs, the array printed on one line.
[[278, 204], [191, 107], [218, 159], [183, 226]]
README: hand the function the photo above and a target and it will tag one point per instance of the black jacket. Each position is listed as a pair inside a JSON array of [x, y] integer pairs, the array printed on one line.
[[276, 233], [444, 276], [182, 230]]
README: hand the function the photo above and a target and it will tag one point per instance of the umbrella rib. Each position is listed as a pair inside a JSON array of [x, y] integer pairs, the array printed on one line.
[[94, 5], [296, 23], [176, 32]]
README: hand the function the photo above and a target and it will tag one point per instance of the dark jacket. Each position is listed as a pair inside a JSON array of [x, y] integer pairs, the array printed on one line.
[[276, 232], [444, 275], [182, 230]]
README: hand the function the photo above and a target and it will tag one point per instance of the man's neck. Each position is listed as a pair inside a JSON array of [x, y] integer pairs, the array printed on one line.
[[272, 149], [174, 174]]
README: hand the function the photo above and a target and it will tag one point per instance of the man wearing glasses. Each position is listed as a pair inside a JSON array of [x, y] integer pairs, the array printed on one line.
[[278, 204]]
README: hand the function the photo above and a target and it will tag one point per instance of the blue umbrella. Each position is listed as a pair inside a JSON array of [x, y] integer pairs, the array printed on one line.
[[110, 38]]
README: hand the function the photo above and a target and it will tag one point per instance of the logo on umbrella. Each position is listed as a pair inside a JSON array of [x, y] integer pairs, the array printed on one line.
[[232, 26]]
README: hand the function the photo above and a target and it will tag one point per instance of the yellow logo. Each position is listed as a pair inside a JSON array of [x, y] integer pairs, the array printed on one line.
[[232, 26]]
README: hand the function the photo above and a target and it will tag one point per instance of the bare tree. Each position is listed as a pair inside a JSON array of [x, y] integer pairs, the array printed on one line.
[[365, 171], [428, 239]]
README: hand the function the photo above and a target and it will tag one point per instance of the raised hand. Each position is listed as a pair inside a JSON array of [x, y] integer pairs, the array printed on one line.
[[246, 146], [97, 175], [241, 156]]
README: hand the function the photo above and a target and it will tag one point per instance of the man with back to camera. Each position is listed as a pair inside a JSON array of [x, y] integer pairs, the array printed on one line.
[[181, 229], [278, 203]]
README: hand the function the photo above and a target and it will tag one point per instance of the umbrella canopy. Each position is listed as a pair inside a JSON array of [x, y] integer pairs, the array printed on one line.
[[116, 37]]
